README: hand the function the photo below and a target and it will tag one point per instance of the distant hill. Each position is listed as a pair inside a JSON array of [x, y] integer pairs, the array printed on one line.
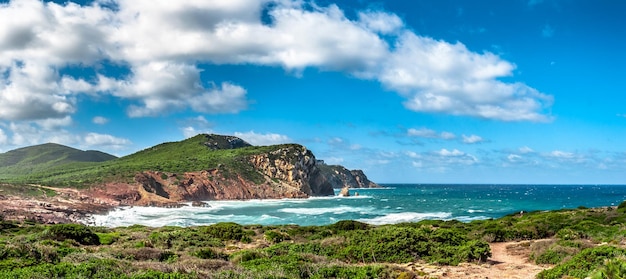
[[33, 159]]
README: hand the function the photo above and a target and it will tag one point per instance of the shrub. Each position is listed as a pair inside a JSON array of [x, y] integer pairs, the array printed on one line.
[[348, 225], [208, 253], [225, 231], [80, 233], [246, 255], [275, 236], [108, 238], [622, 206], [583, 263]]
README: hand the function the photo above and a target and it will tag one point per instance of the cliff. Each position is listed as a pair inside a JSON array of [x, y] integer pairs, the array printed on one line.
[[204, 167], [286, 171], [340, 177]]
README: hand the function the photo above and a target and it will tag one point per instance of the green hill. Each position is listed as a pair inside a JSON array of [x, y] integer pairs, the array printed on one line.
[[41, 166], [39, 158]]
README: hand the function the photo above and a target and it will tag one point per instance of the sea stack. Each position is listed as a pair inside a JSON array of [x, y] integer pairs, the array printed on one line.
[[345, 191]]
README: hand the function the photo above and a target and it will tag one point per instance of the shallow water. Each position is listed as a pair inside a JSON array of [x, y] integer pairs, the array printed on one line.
[[393, 204]]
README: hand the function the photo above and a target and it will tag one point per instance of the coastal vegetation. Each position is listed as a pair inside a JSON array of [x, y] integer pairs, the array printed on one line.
[[61, 166], [576, 243]]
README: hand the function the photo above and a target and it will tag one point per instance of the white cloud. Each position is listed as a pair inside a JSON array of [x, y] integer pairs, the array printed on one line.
[[472, 139], [355, 147], [439, 77], [333, 160], [196, 125], [163, 42], [104, 140], [263, 139], [3, 137], [28, 133], [164, 87], [428, 133], [381, 22], [100, 120], [566, 157], [441, 160], [514, 158], [447, 153], [54, 123], [525, 150]]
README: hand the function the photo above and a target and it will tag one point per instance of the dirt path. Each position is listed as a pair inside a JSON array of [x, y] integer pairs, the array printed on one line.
[[508, 260]]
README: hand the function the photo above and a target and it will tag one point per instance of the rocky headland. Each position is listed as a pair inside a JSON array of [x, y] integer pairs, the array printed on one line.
[[239, 172]]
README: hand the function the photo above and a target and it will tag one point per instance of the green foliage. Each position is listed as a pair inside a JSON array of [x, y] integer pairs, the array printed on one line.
[[584, 263], [622, 206], [193, 154], [209, 253], [225, 231], [348, 225], [276, 236], [346, 249], [108, 238], [80, 233], [613, 269]]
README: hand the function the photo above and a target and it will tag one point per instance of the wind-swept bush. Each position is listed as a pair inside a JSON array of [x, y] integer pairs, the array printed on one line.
[[80, 233]]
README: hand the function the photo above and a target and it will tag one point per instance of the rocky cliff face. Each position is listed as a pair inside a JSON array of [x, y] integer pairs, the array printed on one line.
[[158, 188], [289, 171], [340, 177], [296, 166]]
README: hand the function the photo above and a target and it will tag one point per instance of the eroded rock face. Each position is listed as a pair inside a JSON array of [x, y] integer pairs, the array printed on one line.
[[296, 166], [165, 189], [361, 180], [340, 177]]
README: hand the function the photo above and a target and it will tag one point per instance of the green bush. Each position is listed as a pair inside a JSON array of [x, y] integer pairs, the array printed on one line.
[[348, 225], [208, 253], [583, 264], [80, 233], [225, 231], [275, 236]]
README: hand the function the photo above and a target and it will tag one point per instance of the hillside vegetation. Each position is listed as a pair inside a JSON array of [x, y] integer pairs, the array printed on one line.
[[61, 166], [40, 158], [577, 243]]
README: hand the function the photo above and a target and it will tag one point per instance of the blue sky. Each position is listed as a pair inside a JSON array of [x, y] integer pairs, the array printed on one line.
[[524, 91]]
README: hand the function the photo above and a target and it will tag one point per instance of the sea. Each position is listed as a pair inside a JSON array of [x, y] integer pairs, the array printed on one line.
[[395, 203]]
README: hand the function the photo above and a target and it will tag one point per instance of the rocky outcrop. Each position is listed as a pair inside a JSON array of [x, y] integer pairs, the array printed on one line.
[[362, 181], [340, 177], [345, 192], [296, 166], [167, 189], [215, 142]]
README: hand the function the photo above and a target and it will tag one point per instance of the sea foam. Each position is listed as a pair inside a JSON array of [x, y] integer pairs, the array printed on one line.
[[394, 218]]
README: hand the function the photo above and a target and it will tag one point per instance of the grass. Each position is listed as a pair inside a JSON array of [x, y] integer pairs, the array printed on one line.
[[194, 154]]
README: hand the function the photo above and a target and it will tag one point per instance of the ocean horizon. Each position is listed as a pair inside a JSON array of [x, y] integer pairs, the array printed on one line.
[[394, 203]]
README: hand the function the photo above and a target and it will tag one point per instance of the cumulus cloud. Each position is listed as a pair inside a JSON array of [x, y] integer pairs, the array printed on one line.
[[381, 22], [439, 77], [263, 139], [163, 42]]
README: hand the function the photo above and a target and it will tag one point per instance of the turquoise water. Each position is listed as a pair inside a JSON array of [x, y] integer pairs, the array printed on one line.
[[393, 204]]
